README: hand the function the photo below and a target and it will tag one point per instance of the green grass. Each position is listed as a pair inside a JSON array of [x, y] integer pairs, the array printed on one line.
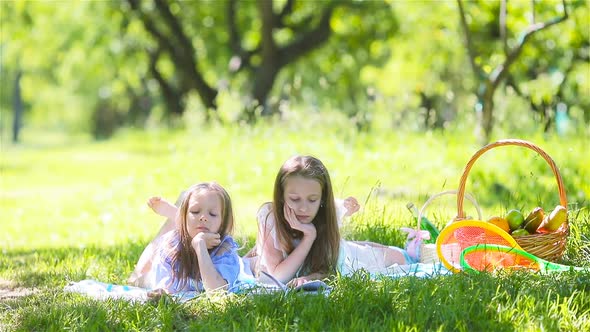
[[76, 210]]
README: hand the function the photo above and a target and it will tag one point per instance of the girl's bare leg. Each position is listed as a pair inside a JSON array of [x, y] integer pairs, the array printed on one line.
[[162, 207], [144, 264], [390, 256]]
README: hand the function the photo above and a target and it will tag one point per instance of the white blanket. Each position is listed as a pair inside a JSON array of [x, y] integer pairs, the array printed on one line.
[[103, 291], [265, 285], [420, 270]]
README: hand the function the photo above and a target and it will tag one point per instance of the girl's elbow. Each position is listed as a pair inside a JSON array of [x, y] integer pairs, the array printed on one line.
[[223, 287]]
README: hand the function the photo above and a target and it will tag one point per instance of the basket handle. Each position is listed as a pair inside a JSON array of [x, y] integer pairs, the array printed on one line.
[[448, 192], [517, 142]]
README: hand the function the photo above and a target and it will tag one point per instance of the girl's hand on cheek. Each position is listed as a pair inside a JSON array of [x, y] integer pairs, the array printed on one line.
[[306, 229], [210, 240]]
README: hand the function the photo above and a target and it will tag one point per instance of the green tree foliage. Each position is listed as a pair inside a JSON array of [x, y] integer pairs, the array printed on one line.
[[93, 66], [425, 75], [251, 43], [73, 65], [329, 77], [555, 70], [491, 61], [429, 80]]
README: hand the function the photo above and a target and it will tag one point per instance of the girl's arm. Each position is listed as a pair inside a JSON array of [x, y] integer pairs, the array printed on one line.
[[284, 269], [211, 278], [301, 280]]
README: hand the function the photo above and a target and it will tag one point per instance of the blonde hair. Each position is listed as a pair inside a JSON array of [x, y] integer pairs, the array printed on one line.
[[183, 258]]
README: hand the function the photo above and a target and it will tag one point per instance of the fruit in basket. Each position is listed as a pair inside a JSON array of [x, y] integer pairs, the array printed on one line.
[[500, 222], [515, 219], [519, 232], [557, 217], [534, 219]]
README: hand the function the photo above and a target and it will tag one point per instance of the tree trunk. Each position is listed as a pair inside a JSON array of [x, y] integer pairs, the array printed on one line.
[[171, 37], [17, 107], [265, 78], [490, 82], [487, 100], [270, 66], [275, 57]]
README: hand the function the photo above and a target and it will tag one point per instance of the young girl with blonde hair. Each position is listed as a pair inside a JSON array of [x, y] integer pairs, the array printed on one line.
[[198, 253]]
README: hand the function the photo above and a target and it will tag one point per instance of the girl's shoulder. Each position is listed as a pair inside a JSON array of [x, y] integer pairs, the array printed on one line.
[[265, 209], [265, 215]]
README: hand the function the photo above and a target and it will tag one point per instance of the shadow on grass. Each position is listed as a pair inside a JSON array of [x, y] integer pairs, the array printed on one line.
[[459, 302], [57, 266], [55, 310]]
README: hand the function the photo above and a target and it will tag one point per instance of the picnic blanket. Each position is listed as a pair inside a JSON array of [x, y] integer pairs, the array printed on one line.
[[266, 284], [103, 291], [420, 270]]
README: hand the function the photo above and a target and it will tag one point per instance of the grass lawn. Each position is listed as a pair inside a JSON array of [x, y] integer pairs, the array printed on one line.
[[76, 209]]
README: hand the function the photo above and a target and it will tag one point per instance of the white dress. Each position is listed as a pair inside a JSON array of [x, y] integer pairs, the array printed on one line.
[[352, 256]]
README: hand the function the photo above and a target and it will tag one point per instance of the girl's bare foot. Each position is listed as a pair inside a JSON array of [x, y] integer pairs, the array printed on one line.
[[162, 207], [351, 205]]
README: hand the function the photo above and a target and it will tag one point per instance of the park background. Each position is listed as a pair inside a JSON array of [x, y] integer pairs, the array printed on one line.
[[106, 103]]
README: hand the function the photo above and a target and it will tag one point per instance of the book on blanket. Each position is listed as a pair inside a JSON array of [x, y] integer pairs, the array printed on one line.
[[269, 282]]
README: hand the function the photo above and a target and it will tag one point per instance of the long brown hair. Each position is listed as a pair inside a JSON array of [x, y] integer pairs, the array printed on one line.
[[323, 254], [183, 257]]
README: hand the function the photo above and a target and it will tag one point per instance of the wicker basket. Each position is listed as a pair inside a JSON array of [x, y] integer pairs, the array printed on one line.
[[549, 246], [428, 251]]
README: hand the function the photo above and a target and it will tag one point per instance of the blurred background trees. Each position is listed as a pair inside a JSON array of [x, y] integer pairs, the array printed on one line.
[[96, 66]]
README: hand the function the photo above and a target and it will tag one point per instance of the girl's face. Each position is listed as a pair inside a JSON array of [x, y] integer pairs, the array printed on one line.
[[204, 213], [303, 196]]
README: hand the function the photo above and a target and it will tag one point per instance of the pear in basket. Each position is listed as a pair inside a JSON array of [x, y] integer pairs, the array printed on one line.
[[557, 217], [534, 220]]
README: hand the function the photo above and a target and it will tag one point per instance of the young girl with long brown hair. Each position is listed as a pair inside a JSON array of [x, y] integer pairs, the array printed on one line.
[[298, 237]]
